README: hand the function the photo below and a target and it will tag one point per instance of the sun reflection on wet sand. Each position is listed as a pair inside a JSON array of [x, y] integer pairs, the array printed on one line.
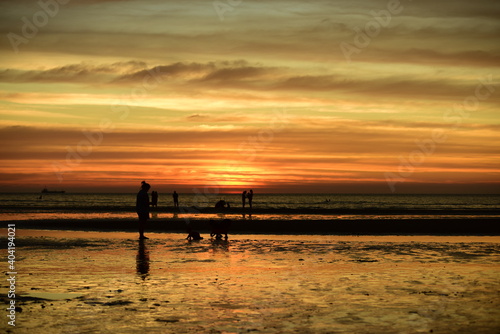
[[260, 283]]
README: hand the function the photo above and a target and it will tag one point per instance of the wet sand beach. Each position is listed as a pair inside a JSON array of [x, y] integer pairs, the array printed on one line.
[[339, 221], [104, 282], [391, 225]]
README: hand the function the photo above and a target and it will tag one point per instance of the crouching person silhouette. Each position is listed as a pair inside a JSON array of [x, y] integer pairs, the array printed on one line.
[[218, 228], [193, 235]]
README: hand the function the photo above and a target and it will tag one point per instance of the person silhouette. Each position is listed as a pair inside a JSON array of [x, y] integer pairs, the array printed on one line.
[[175, 195], [154, 199], [220, 204], [243, 198], [250, 198], [142, 207]]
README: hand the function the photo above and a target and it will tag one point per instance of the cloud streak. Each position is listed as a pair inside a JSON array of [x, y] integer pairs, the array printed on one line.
[[302, 156]]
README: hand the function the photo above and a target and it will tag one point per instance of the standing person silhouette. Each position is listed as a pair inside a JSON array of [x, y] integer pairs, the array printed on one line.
[[250, 198], [243, 198], [142, 207], [176, 199], [154, 199]]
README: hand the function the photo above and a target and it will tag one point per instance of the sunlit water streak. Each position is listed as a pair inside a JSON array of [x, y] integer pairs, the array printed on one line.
[[272, 217], [272, 201]]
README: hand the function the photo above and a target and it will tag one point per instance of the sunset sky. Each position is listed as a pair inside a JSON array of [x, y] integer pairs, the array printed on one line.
[[279, 96]]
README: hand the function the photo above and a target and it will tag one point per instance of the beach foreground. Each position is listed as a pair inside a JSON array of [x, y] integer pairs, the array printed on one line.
[[279, 225], [102, 282]]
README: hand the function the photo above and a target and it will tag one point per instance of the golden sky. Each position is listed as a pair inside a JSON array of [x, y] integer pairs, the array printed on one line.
[[278, 96]]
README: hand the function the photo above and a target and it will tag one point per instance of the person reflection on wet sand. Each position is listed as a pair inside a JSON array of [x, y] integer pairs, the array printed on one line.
[[142, 260], [219, 245]]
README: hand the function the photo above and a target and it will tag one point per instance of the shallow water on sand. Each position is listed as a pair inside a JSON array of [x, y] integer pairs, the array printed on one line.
[[160, 217], [263, 284]]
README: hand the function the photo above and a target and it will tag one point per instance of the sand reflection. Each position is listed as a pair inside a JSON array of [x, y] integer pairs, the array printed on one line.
[[142, 260], [219, 245]]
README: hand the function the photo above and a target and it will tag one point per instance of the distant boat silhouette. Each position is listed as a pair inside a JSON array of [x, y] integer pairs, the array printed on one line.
[[47, 191]]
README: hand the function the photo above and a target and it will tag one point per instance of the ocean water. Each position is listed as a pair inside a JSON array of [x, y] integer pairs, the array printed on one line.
[[77, 201]]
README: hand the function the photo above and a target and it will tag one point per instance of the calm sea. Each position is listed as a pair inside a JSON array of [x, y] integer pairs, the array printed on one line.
[[269, 201]]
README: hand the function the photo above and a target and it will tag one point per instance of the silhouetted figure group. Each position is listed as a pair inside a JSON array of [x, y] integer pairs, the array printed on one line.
[[247, 195], [218, 228]]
